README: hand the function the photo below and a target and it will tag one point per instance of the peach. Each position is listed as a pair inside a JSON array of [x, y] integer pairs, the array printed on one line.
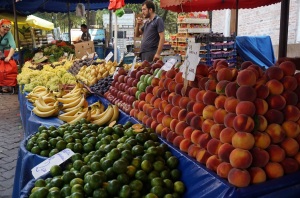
[[290, 97], [178, 77], [164, 95], [180, 126], [162, 105], [260, 157], [213, 162], [276, 153], [230, 89], [170, 97], [275, 86], [290, 146], [203, 140], [288, 68], [184, 145], [149, 110], [190, 106], [220, 64], [166, 121], [202, 156], [187, 132], [261, 106], [297, 158], [140, 115], [262, 91], [276, 133], [193, 150], [219, 116], [224, 151], [274, 170], [155, 82], [226, 135], [153, 124], [171, 136], [246, 77], [243, 140], [208, 112], [164, 132], [199, 96], [177, 140], [262, 140], [291, 128], [146, 107], [240, 158], [255, 71], [274, 116], [245, 107], [157, 102], [132, 112], [202, 82], [261, 123], [289, 83], [148, 97], [144, 119], [213, 146], [202, 70], [223, 169], [183, 102], [291, 113], [168, 108], [149, 122], [257, 174], [176, 99], [230, 104], [243, 123], [173, 124], [196, 122], [224, 74], [154, 113], [220, 101], [195, 136], [274, 73], [211, 85], [228, 120], [166, 83], [193, 93], [160, 117], [246, 64], [276, 102], [220, 88], [140, 105], [189, 117], [171, 73], [289, 165], [178, 88], [174, 112], [206, 125], [198, 108], [239, 178], [215, 130], [155, 90], [182, 115], [246, 93]]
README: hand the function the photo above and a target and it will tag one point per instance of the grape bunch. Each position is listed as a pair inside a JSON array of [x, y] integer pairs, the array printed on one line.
[[102, 85]]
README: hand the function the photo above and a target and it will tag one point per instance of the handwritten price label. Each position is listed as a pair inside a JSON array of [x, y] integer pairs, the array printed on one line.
[[57, 159], [108, 57], [169, 64], [115, 73], [132, 66], [189, 66]]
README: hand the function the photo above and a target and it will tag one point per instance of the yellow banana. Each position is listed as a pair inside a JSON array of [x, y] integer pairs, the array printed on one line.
[[80, 104], [82, 115], [73, 103], [115, 114], [102, 108], [72, 95], [39, 88], [106, 117], [45, 114], [66, 118], [69, 100], [98, 116], [48, 99], [73, 112], [42, 107], [89, 114]]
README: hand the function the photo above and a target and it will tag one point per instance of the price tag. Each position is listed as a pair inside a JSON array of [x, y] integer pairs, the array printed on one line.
[[132, 66], [189, 66], [108, 57], [115, 73], [46, 165], [169, 64]]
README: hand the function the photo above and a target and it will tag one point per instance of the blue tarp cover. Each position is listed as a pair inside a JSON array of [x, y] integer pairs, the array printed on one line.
[[257, 49]]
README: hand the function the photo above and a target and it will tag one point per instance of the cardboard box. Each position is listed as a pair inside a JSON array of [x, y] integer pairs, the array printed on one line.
[[84, 48]]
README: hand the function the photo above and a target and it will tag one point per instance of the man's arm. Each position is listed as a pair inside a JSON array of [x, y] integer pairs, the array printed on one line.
[[160, 45], [138, 31]]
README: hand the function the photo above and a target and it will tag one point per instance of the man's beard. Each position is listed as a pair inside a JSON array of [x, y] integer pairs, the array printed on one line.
[[147, 16]]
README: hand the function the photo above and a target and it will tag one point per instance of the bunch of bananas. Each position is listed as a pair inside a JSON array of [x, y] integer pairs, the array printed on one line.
[[39, 91], [110, 115], [46, 107]]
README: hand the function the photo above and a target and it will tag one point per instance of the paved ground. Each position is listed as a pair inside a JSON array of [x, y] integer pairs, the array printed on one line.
[[11, 133]]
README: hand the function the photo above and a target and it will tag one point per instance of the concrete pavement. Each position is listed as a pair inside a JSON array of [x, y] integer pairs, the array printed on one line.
[[11, 134]]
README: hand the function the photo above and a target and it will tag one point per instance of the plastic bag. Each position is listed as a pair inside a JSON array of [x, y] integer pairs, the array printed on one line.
[[8, 73], [116, 4]]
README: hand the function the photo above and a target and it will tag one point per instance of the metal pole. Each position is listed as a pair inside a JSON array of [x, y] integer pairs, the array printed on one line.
[[16, 30], [88, 15], [284, 27], [110, 26], [237, 17], [69, 20]]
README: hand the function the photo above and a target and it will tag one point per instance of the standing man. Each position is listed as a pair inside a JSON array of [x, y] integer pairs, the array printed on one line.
[[152, 31], [85, 34]]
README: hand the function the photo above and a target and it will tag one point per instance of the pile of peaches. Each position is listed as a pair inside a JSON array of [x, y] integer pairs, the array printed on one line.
[[242, 124]]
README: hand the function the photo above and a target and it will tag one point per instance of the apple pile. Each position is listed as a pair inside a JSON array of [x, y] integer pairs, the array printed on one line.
[[126, 87], [242, 124]]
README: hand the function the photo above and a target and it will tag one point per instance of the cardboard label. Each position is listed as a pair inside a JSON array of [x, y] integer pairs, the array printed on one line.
[[57, 159], [169, 64], [132, 66], [189, 66], [108, 57], [115, 73]]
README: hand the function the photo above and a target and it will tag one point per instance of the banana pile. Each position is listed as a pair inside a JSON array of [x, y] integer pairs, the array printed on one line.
[[91, 74], [109, 116]]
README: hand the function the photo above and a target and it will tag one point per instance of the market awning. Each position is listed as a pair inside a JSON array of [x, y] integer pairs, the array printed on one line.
[[209, 5]]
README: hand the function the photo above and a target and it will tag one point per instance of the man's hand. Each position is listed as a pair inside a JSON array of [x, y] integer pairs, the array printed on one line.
[[139, 21], [156, 57]]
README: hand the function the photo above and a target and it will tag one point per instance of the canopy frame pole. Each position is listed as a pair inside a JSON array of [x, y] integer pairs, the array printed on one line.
[[236, 17], [88, 15], [284, 27], [116, 38], [16, 29], [69, 22]]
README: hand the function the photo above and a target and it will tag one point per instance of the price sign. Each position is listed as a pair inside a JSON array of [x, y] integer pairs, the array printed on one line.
[[189, 66], [115, 73], [108, 57], [169, 64], [46, 165], [132, 66]]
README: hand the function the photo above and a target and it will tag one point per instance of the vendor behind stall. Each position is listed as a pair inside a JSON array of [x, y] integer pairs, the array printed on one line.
[[85, 34], [7, 42]]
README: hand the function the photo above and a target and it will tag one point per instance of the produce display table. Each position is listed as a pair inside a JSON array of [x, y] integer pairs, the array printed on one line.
[[199, 181]]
